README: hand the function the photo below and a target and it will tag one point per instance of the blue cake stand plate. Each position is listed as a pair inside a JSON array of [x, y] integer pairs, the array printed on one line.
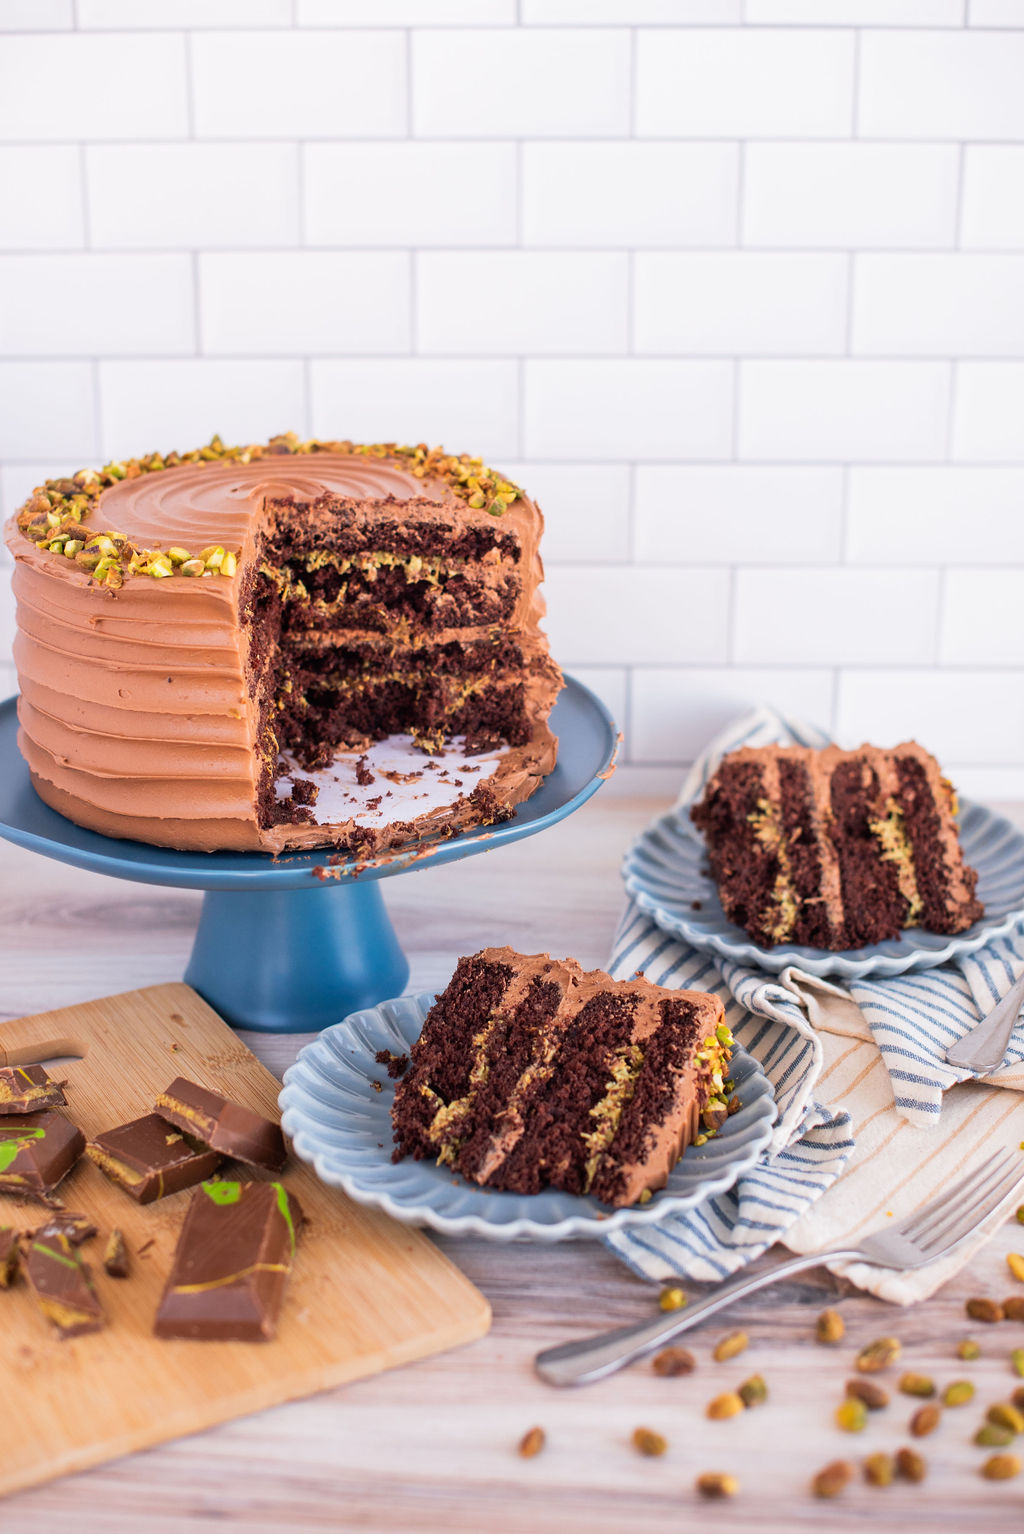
[[665, 872], [336, 1106], [281, 948]]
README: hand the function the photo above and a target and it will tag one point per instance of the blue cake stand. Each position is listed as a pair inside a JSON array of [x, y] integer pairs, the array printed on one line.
[[280, 947]]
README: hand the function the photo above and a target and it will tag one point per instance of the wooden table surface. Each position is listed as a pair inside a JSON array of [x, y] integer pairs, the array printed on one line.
[[432, 1447]]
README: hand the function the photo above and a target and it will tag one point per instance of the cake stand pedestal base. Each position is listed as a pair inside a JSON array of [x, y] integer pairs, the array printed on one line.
[[292, 959]]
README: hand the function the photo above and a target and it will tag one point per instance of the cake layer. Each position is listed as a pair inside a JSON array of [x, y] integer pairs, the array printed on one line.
[[836, 849], [532, 1073]]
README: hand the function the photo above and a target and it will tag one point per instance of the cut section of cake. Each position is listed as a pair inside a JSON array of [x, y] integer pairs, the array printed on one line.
[[201, 635], [531, 1073], [836, 849]]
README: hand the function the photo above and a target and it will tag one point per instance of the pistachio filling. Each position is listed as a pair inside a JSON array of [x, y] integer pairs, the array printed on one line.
[[712, 1061], [54, 514], [607, 1113], [783, 908], [449, 1117], [891, 832]]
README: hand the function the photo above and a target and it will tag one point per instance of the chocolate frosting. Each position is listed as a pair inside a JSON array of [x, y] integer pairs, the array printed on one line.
[[135, 713]]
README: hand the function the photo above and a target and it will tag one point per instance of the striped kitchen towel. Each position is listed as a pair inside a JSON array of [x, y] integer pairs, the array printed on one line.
[[860, 1080]]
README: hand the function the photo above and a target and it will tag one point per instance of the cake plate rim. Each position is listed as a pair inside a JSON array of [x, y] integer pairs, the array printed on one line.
[[651, 875], [355, 1088]]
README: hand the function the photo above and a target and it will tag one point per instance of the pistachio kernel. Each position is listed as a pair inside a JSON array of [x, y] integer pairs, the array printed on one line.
[[916, 1385], [730, 1346], [910, 1465], [1013, 1308], [1005, 1414], [1017, 1360], [968, 1349], [958, 1393], [879, 1469], [673, 1361], [728, 1404], [835, 1477], [1001, 1467], [531, 1443], [229, 564], [672, 1299], [829, 1327], [873, 1396], [1020, 1215], [852, 1415], [191, 567], [714, 1485], [991, 1436], [1018, 1397], [178, 556], [983, 1309], [647, 1442], [753, 1391], [925, 1420], [878, 1355], [1015, 1263]]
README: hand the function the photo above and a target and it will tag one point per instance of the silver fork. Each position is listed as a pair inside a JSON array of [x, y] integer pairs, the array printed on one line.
[[982, 1049], [923, 1237]]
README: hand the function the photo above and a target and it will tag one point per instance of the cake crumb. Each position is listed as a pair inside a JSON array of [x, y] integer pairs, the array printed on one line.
[[364, 777], [397, 1064]]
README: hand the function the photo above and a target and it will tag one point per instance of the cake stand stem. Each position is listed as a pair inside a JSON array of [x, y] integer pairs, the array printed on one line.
[[295, 961]]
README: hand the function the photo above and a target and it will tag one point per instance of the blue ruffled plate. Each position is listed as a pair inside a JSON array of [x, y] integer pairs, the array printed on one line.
[[664, 872], [336, 1106]]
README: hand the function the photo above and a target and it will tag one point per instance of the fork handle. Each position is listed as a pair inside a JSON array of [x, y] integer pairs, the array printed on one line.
[[591, 1358]]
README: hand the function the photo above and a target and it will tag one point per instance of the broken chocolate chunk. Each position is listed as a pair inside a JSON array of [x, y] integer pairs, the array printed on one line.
[[62, 1285], [36, 1150], [10, 1257], [77, 1227], [27, 1089], [223, 1125], [149, 1158], [231, 1264], [115, 1255]]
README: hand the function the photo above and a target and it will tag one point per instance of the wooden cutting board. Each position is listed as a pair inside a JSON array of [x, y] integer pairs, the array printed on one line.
[[366, 1293]]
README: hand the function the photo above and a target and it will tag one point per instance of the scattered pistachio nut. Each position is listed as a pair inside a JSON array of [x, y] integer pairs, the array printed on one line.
[[991, 1436], [925, 1420], [715, 1485], [1013, 1308], [852, 1415], [1001, 1467], [673, 1361], [878, 1355], [1005, 1414], [730, 1346], [1017, 1361], [910, 1465], [916, 1384], [1018, 1397], [958, 1393], [835, 1477], [672, 1299], [646, 1441], [873, 1396], [968, 1349], [1015, 1263], [532, 1442], [753, 1391], [1020, 1215], [729, 1404], [829, 1327], [983, 1309], [879, 1469]]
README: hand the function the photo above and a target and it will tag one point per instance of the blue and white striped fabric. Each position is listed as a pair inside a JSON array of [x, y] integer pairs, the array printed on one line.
[[913, 1019]]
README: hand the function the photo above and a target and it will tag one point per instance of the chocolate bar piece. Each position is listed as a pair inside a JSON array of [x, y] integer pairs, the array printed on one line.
[[231, 1264], [223, 1125], [115, 1255], [62, 1285], [77, 1227], [36, 1150], [10, 1257], [27, 1089], [149, 1159]]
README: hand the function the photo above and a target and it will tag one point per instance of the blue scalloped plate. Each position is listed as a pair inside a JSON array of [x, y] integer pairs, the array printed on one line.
[[664, 872], [336, 1106]]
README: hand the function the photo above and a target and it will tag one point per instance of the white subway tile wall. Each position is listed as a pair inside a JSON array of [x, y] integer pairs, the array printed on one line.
[[735, 287]]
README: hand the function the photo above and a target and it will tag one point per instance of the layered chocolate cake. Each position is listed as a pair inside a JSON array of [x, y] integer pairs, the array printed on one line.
[[531, 1072], [836, 849], [200, 635]]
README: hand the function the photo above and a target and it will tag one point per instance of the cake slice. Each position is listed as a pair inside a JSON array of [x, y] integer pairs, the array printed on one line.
[[836, 849], [531, 1072]]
